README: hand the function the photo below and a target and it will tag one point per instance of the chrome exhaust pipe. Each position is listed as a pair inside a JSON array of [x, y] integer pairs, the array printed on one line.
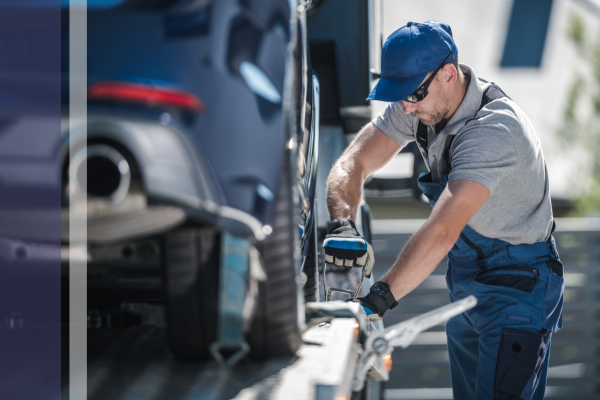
[[100, 172]]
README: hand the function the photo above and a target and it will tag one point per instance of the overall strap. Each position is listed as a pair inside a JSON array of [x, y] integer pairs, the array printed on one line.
[[493, 92], [447, 160], [422, 139]]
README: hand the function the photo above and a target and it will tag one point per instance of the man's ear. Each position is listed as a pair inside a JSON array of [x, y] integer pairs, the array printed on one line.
[[449, 73]]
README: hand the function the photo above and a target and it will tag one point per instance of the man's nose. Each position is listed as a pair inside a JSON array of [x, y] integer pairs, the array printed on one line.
[[408, 107]]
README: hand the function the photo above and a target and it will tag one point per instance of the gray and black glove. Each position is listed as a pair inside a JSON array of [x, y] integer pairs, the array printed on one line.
[[345, 247], [378, 301]]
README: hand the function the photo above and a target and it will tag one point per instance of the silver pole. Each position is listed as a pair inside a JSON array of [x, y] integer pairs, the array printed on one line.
[[78, 204]]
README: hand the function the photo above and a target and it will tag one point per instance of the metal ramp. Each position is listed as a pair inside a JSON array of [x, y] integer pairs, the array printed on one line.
[[135, 363]]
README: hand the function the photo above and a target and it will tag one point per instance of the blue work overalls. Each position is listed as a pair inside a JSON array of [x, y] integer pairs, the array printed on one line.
[[499, 349]]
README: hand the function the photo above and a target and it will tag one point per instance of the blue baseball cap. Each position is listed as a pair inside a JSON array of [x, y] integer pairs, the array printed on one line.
[[408, 55]]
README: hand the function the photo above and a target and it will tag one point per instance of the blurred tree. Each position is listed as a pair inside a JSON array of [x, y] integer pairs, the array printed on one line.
[[581, 125]]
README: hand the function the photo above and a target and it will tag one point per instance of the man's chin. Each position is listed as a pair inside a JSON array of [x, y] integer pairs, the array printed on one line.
[[425, 120]]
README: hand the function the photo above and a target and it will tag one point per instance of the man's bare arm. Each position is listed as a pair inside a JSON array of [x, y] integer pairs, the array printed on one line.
[[369, 151], [458, 203]]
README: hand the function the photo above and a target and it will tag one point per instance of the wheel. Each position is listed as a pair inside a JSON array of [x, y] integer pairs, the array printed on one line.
[[192, 287], [192, 291], [275, 330]]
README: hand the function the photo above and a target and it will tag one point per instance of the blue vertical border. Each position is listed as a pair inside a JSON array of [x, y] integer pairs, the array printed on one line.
[[30, 199]]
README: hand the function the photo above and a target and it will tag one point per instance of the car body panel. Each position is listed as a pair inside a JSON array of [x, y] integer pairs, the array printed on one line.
[[170, 169], [240, 132]]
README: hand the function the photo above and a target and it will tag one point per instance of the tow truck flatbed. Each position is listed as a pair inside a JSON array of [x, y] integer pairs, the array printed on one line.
[[340, 352], [135, 363]]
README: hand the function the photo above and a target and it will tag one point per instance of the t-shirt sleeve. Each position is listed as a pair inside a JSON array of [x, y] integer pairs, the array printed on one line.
[[393, 122], [484, 153]]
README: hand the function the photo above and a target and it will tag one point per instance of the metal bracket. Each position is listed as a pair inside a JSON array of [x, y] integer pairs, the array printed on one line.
[[324, 312], [403, 334], [331, 290], [353, 294], [215, 351]]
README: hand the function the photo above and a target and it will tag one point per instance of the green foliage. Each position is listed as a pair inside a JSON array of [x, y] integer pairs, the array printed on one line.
[[587, 204], [576, 30], [581, 123]]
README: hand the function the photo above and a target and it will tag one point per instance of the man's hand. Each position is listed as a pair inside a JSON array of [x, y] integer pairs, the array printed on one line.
[[378, 301], [373, 312], [345, 247], [369, 151]]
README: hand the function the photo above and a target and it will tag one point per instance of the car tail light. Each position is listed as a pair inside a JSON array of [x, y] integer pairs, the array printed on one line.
[[151, 95]]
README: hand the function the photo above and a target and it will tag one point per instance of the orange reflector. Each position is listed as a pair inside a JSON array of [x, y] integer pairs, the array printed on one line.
[[341, 398], [147, 94], [356, 331], [387, 361]]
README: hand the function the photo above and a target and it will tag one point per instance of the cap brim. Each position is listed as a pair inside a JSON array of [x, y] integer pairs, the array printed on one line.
[[395, 89]]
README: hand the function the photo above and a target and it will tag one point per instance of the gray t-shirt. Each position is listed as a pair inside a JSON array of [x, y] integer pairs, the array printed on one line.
[[499, 149]]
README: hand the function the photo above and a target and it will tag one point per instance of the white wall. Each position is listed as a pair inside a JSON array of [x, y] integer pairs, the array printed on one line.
[[479, 29]]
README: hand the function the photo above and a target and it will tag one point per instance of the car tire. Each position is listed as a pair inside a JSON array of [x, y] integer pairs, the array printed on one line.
[[192, 291], [275, 330], [310, 269]]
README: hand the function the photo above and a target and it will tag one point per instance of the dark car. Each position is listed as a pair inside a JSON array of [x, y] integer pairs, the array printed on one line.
[[197, 166]]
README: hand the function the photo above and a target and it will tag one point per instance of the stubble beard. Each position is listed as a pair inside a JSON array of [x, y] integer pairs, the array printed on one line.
[[435, 117]]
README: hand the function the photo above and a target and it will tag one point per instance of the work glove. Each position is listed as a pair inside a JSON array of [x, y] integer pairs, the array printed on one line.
[[378, 301], [345, 247]]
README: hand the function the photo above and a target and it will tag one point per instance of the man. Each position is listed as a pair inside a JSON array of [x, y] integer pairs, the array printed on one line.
[[491, 215]]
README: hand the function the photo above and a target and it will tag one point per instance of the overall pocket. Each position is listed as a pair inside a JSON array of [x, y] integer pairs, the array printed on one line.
[[514, 277], [553, 302], [520, 361]]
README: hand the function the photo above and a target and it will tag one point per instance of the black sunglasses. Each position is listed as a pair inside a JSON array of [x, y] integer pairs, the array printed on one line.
[[422, 91]]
